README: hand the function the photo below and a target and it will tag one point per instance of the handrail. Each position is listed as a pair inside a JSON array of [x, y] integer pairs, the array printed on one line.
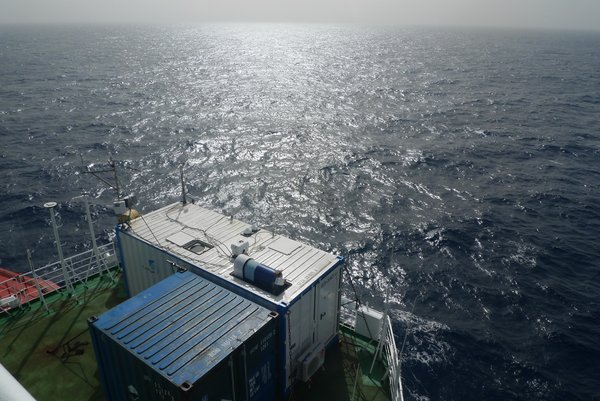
[[27, 287], [390, 353], [386, 347]]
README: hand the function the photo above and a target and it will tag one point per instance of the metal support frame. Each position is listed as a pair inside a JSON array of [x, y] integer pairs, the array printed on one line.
[[37, 283], [381, 339], [50, 206], [101, 262]]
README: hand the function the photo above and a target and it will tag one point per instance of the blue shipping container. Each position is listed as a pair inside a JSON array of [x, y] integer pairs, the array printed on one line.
[[187, 338], [199, 240]]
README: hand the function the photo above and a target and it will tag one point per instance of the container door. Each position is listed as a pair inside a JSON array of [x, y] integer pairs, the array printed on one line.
[[327, 308]]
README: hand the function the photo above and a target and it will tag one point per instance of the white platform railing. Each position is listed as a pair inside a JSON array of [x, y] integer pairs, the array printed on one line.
[[36, 284], [386, 348], [390, 355]]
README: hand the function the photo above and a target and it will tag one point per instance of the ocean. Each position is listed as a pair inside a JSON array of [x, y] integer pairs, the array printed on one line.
[[457, 171]]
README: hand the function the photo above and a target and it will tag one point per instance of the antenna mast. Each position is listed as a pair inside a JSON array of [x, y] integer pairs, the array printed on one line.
[[183, 200], [112, 168]]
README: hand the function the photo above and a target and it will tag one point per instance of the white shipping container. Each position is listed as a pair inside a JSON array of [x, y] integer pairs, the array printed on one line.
[[200, 240]]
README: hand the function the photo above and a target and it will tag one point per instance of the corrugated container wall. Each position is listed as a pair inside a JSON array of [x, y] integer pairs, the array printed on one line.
[[147, 264], [187, 338]]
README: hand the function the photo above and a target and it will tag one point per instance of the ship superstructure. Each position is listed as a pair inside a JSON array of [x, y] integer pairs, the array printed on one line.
[[320, 346], [295, 280]]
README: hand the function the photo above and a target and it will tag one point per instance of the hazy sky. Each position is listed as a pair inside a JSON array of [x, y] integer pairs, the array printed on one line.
[[559, 14]]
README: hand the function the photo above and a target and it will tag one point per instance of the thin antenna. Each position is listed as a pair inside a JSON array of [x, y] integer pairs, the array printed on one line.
[[183, 200], [112, 169]]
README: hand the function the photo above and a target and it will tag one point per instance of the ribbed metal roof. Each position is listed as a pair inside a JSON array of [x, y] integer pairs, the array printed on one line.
[[183, 326], [170, 227]]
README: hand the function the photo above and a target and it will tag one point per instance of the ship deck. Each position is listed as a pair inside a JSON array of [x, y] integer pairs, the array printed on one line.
[[51, 355], [345, 375]]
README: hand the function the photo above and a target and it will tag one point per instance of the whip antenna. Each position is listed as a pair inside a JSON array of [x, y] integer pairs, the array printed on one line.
[[112, 168], [183, 200]]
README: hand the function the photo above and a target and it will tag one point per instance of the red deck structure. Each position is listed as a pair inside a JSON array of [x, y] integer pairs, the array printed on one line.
[[18, 286]]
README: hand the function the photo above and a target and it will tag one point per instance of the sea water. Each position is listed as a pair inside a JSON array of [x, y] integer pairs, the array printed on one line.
[[457, 171]]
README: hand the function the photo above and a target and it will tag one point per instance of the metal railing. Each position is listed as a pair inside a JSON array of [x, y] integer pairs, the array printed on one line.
[[386, 347], [39, 282], [387, 344], [348, 312]]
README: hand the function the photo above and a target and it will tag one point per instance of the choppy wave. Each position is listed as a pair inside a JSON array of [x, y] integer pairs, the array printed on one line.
[[457, 171]]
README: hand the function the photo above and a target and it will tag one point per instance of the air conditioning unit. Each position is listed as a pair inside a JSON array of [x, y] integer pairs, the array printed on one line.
[[310, 362]]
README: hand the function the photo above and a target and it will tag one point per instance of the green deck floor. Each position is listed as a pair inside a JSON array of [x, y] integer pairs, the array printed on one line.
[[338, 379], [51, 353], [52, 356]]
